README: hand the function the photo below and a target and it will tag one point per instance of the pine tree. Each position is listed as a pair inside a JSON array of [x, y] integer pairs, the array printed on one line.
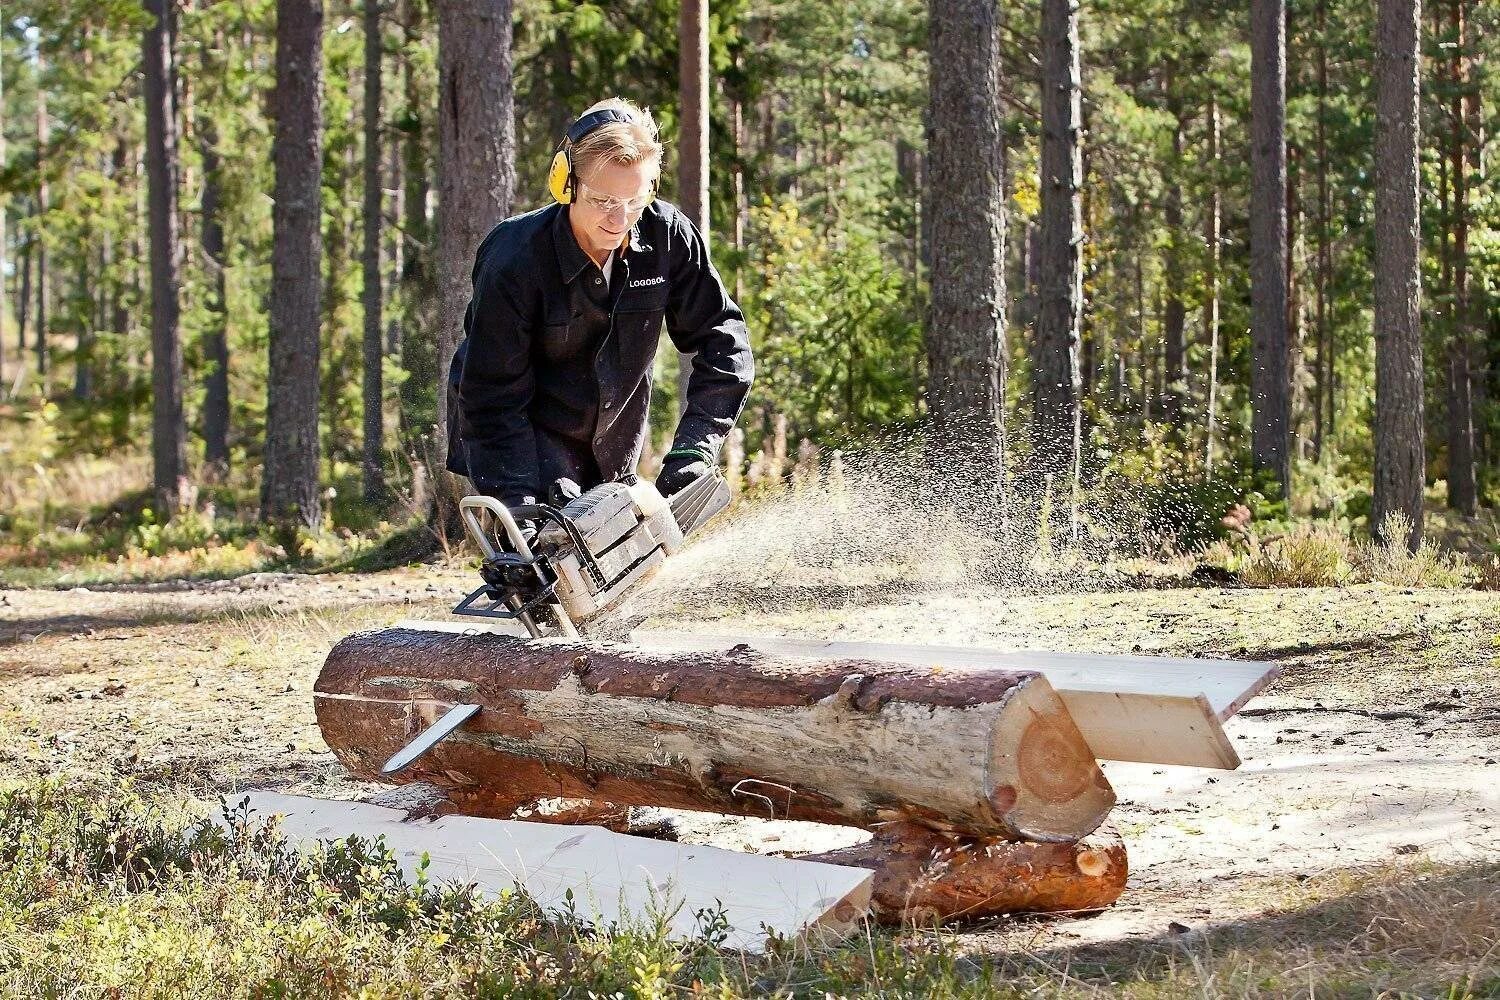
[[1399, 454], [1270, 377], [373, 353], [289, 490], [692, 145], [1055, 388], [168, 427], [476, 158], [965, 330]]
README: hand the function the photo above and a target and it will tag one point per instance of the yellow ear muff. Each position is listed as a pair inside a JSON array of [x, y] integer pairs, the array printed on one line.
[[560, 178]]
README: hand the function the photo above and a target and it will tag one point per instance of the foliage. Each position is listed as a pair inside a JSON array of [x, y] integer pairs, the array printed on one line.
[[102, 891], [818, 132], [838, 332]]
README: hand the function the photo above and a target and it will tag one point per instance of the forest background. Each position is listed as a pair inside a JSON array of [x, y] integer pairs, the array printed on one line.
[[825, 195]]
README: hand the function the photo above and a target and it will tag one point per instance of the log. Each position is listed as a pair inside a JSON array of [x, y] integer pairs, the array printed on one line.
[[985, 752], [923, 876]]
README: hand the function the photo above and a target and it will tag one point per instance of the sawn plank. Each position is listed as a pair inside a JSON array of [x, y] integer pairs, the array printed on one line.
[[613, 877]]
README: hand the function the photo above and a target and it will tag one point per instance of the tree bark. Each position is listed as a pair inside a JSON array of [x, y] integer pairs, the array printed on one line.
[[373, 346], [289, 492], [23, 306], [1213, 238], [476, 163], [692, 162], [168, 427], [966, 324], [1462, 486], [986, 752], [1055, 379], [418, 353], [1270, 380], [4, 245], [1174, 311], [43, 140], [1323, 396], [923, 876], [1399, 455], [215, 334]]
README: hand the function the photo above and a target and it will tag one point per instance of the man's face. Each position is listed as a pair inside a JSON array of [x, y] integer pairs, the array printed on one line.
[[610, 200]]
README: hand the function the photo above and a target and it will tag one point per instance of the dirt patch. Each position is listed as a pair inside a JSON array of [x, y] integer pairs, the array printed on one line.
[[1378, 742]]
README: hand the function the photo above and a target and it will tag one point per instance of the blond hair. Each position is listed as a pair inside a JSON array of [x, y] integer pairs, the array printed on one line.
[[626, 143]]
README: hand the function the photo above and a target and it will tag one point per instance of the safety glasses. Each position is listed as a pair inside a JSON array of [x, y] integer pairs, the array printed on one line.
[[608, 204]]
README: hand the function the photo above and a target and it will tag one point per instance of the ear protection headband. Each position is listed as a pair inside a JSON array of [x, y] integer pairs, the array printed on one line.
[[561, 182]]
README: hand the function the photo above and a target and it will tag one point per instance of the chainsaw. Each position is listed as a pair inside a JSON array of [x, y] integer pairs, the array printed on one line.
[[585, 556]]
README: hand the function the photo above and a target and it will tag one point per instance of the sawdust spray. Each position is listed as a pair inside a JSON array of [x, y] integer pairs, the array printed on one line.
[[871, 526]]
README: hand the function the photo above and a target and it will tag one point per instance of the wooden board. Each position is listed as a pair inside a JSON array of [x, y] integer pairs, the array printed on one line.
[[613, 877], [1154, 709], [1151, 709]]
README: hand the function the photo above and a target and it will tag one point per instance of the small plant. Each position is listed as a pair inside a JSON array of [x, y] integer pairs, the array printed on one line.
[[1306, 555], [1388, 560]]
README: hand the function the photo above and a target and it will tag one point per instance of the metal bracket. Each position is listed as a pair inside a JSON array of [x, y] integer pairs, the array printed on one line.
[[451, 720]]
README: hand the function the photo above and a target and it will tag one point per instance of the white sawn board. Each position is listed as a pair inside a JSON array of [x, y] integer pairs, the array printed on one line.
[[613, 877], [1155, 709]]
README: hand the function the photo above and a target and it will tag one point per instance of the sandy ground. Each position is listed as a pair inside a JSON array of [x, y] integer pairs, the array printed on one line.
[[1381, 739]]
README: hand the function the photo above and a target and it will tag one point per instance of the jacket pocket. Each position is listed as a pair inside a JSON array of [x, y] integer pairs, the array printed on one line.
[[562, 341]]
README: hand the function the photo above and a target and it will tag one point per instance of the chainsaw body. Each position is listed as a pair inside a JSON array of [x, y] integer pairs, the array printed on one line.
[[587, 555]]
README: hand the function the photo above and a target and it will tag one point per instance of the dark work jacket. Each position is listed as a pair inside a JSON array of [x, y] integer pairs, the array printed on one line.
[[553, 377]]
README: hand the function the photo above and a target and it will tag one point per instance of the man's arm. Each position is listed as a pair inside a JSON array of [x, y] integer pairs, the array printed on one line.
[[494, 393], [704, 321]]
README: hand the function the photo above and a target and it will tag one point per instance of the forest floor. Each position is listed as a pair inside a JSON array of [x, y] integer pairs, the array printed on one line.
[[1361, 835]]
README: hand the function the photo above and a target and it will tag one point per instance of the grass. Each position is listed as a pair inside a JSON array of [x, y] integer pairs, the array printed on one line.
[[1324, 554], [101, 894]]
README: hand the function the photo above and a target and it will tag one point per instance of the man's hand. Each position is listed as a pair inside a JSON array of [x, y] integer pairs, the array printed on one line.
[[682, 469]]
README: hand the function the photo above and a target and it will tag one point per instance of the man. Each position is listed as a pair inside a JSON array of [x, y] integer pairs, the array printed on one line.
[[552, 381]]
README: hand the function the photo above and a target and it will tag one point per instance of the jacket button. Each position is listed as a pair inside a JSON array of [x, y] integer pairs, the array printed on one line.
[[608, 404]]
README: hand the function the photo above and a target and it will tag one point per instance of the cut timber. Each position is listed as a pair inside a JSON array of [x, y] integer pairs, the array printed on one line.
[[612, 877], [1154, 709], [986, 752], [922, 875]]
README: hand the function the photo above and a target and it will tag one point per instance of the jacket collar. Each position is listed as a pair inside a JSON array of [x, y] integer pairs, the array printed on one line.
[[571, 260]]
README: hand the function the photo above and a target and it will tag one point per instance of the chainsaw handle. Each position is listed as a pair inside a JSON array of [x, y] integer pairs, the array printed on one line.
[[468, 509]]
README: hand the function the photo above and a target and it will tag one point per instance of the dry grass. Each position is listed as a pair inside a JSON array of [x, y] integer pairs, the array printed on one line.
[[107, 898], [1320, 554]]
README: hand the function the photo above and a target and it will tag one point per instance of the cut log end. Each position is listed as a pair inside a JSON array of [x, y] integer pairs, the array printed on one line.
[[1047, 786], [923, 877]]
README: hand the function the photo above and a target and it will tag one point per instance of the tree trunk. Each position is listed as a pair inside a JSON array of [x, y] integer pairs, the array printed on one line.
[[374, 353], [215, 333], [1055, 390], [983, 751], [23, 306], [289, 492], [168, 427], [83, 354], [1399, 454], [1174, 311], [1323, 396], [692, 162], [476, 162], [966, 325], [1213, 237], [923, 876], [418, 353], [1462, 487], [1270, 381], [4, 246], [43, 140]]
